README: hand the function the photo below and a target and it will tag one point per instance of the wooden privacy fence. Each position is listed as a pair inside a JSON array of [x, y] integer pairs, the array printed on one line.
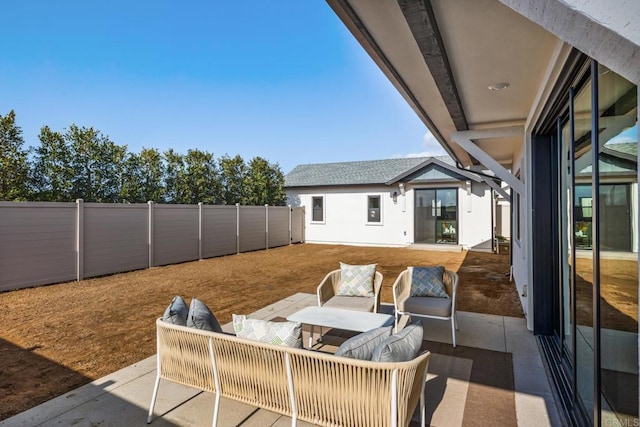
[[43, 243]]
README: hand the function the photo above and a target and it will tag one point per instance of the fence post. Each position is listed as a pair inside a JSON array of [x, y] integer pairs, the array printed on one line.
[[290, 236], [304, 225], [151, 243], [266, 225], [200, 231], [238, 228], [79, 239]]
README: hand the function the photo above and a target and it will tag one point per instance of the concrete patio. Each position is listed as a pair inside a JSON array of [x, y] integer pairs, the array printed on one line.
[[122, 398]]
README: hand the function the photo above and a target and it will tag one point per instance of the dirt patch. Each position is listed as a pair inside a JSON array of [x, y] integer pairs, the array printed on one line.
[[56, 338]]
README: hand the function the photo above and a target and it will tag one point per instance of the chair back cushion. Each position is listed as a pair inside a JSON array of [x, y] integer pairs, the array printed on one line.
[[356, 280], [362, 345], [400, 347], [427, 282], [177, 312], [200, 317], [287, 334]]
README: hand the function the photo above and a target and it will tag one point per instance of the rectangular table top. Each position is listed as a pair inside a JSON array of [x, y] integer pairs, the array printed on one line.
[[350, 320]]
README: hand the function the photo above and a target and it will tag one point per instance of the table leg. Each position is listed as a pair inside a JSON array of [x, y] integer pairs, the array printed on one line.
[[311, 337]]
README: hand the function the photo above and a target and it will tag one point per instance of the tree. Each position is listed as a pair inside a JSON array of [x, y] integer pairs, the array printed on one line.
[[203, 178], [131, 181], [232, 175], [14, 165], [152, 171], [52, 173], [96, 162], [263, 184], [175, 178]]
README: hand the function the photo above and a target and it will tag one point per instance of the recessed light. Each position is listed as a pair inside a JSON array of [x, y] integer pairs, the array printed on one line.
[[499, 86]]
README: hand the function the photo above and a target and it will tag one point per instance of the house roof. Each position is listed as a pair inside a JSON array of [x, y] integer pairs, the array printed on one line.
[[385, 171]]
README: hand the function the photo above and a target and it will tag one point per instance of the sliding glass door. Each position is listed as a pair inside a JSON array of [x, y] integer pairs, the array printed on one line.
[[436, 216], [597, 323]]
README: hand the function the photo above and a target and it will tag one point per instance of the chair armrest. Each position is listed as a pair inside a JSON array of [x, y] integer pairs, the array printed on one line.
[[377, 286], [401, 289], [450, 280], [327, 288]]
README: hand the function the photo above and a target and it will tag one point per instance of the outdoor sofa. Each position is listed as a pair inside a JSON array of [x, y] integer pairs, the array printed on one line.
[[306, 385]]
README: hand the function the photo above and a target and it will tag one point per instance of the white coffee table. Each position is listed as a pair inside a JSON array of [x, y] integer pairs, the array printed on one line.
[[350, 320]]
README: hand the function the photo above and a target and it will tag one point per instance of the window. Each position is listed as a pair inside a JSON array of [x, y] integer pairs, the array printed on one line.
[[317, 209], [373, 209]]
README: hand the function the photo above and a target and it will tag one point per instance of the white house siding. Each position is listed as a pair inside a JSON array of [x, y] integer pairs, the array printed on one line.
[[345, 220], [345, 214]]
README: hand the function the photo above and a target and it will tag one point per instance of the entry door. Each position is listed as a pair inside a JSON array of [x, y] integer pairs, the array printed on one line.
[[436, 216]]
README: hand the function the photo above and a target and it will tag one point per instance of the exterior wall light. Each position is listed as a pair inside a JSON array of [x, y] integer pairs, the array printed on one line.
[[395, 197]]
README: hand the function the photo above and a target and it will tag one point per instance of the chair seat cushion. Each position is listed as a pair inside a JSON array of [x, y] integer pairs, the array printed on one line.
[[351, 303], [429, 306]]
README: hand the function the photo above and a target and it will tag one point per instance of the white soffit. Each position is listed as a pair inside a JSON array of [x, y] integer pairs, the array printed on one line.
[[388, 27], [488, 43], [485, 41]]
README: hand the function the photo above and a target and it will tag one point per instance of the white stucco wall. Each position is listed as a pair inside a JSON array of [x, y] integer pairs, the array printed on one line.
[[345, 219]]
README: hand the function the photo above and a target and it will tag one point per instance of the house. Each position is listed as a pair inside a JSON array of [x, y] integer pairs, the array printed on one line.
[[394, 202], [543, 94]]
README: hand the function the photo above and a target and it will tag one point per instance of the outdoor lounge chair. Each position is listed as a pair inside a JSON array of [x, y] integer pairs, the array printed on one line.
[[426, 306], [328, 294]]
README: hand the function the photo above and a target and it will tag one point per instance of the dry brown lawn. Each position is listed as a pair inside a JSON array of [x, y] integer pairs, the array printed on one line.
[[56, 338]]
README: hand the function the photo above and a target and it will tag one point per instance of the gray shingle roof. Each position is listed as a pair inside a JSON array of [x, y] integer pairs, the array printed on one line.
[[353, 173]]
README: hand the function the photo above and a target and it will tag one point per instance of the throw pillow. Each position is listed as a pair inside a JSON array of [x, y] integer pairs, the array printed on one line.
[[399, 347], [362, 345], [176, 312], [427, 282], [200, 317], [287, 334], [356, 280]]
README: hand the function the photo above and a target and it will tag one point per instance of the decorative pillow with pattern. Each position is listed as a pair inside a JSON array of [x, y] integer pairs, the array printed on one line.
[[356, 280], [427, 282], [287, 334]]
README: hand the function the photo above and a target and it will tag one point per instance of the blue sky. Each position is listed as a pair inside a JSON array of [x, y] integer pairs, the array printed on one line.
[[284, 80]]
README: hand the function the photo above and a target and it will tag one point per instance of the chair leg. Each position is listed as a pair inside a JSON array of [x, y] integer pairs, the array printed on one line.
[[423, 410], [453, 329], [153, 398], [216, 409]]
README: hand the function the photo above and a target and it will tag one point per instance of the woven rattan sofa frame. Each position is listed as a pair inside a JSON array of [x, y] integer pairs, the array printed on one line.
[[305, 385]]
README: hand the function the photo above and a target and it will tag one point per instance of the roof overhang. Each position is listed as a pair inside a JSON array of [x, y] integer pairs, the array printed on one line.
[[442, 56]]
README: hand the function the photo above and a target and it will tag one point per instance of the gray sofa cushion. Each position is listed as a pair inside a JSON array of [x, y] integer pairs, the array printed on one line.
[[176, 312], [399, 347], [429, 306], [351, 303], [362, 345], [200, 317]]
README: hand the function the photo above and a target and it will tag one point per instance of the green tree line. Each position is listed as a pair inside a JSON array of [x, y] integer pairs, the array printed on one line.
[[82, 163]]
